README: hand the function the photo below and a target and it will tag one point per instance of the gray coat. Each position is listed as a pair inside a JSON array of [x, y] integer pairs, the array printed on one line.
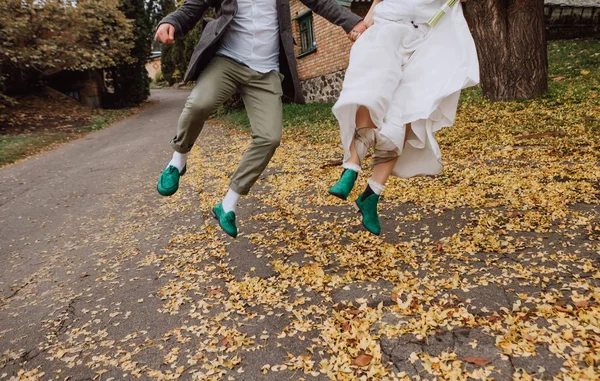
[[187, 15]]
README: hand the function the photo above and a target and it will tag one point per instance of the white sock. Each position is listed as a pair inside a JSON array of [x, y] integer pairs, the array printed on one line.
[[230, 201], [178, 161], [376, 187], [352, 167]]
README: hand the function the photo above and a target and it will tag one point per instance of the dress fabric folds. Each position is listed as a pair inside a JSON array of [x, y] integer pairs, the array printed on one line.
[[404, 72]]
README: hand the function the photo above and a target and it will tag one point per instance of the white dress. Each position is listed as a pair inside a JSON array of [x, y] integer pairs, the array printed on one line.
[[404, 72]]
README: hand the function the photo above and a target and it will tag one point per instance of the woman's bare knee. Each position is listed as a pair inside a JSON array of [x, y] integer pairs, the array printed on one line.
[[363, 118], [407, 132]]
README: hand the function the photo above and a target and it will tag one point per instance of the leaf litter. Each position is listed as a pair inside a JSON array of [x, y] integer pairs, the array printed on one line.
[[515, 210]]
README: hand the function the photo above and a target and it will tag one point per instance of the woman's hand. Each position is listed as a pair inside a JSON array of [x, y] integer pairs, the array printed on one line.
[[357, 30]]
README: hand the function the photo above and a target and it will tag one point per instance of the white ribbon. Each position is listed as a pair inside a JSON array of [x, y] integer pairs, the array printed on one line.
[[445, 8]]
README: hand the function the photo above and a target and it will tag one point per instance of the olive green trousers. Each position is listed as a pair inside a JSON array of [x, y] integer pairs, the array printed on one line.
[[261, 94]]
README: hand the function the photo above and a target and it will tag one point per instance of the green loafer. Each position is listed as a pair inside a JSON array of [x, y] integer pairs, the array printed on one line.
[[168, 182], [368, 209], [226, 220], [344, 185]]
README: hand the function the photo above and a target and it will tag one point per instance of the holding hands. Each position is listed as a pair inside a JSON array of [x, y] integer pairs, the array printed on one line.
[[357, 30]]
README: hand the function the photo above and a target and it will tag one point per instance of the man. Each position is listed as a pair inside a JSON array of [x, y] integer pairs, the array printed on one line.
[[248, 47]]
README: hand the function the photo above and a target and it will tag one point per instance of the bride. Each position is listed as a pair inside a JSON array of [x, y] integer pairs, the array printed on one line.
[[402, 85]]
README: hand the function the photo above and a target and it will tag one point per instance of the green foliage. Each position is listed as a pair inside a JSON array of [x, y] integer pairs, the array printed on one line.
[[15, 147], [574, 69], [294, 115], [159, 9], [5, 100], [159, 78], [175, 58], [40, 38], [574, 75], [312, 119], [43, 37], [130, 80], [177, 76]]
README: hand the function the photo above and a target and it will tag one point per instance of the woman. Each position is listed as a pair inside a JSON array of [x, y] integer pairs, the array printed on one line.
[[402, 85]]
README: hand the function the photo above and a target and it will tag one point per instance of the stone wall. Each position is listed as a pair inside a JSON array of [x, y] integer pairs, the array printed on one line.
[[572, 20], [578, 3], [324, 88], [85, 87]]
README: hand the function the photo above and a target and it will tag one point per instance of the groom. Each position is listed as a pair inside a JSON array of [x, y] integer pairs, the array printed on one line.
[[248, 48]]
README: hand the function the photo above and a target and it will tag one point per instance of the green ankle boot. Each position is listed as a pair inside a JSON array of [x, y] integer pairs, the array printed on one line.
[[368, 209], [344, 185]]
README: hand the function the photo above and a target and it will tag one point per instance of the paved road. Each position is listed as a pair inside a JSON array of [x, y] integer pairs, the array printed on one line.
[[92, 282], [43, 198], [63, 217]]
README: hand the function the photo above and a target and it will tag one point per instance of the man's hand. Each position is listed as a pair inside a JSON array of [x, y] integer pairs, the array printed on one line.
[[165, 34], [357, 30]]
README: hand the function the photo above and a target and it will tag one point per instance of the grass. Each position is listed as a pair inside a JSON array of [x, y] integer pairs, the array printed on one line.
[[309, 119], [107, 117], [15, 147], [574, 77]]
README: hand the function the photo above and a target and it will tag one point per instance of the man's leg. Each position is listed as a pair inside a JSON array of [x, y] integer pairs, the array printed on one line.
[[216, 84], [262, 98]]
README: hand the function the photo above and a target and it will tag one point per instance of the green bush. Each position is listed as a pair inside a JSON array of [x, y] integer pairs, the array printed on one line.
[[40, 38], [175, 58], [130, 81], [159, 77]]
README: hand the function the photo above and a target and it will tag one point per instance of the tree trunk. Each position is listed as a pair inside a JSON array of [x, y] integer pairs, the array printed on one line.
[[511, 44]]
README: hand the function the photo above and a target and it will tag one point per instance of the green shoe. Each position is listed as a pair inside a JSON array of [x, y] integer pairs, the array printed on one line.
[[168, 182], [344, 185], [226, 220], [368, 208]]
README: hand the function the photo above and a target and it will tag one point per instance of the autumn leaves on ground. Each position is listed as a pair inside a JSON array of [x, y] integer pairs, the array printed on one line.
[[489, 270]]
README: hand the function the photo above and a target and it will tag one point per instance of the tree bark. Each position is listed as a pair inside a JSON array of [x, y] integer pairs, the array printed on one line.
[[511, 44]]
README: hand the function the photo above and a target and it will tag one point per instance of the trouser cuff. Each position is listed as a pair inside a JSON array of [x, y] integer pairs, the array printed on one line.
[[177, 148], [243, 191]]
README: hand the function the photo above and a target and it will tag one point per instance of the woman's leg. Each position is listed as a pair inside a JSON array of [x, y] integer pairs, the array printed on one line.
[[385, 158], [363, 139], [383, 170], [368, 200], [363, 120]]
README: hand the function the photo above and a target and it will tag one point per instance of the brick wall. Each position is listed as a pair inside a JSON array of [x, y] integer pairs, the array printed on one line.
[[321, 72], [572, 21], [333, 47]]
